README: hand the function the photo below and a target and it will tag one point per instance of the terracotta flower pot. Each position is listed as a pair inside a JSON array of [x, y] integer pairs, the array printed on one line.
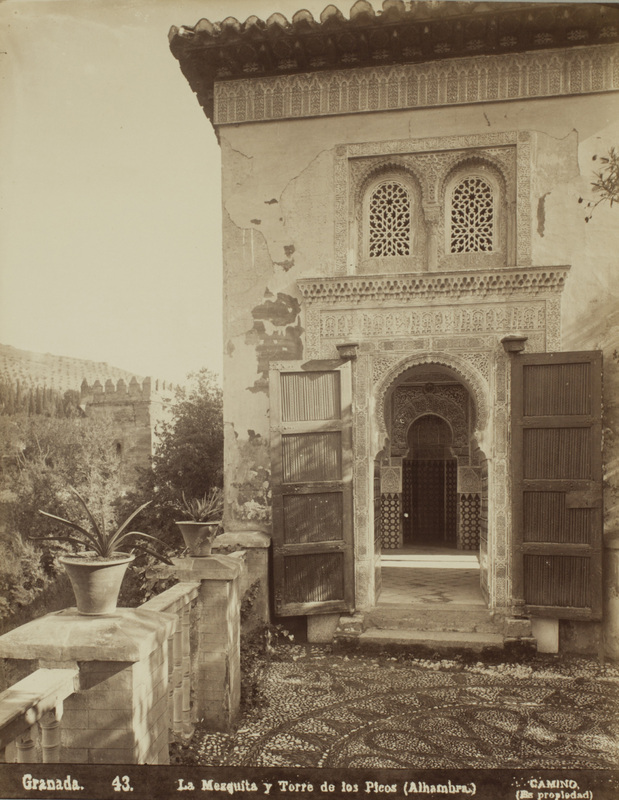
[[96, 582], [199, 536]]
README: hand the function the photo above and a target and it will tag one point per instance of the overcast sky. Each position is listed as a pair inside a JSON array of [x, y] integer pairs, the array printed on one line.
[[110, 244]]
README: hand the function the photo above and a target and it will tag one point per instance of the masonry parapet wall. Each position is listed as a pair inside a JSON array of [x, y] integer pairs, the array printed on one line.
[[118, 688], [119, 712]]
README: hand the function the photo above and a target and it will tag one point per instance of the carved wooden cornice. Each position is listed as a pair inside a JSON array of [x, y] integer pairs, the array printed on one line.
[[406, 287], [213, 54]]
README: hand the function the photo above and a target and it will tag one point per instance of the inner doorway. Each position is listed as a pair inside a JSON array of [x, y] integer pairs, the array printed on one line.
[[431, 470], [429, 485], [431, 490]]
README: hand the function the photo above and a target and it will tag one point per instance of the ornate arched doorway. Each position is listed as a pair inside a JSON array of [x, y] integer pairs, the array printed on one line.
[[433, 468]]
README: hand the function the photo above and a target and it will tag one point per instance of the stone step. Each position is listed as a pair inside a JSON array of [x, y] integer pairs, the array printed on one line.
[[456, 618], [429, 640]]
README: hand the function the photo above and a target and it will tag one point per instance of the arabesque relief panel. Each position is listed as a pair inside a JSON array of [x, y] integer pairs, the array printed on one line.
[[450, 82]]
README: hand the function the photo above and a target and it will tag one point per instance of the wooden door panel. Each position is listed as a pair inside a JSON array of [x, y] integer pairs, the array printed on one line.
[[557, 453], [557, 483], [316, 517], [310, 396], [311, 455], [547, 518], [562, 392]]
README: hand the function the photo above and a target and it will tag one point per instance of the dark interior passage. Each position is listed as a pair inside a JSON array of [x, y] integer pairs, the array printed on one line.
[[429, 499]]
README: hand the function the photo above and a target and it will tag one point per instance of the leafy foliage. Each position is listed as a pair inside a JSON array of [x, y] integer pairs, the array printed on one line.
[[189, 455], [98, 537], [43, 456], [203, 509], [40, 400], [40, 457], [606, 184], [188, 459]]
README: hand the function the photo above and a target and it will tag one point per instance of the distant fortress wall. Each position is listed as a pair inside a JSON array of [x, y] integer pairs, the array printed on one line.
[[135, 409]]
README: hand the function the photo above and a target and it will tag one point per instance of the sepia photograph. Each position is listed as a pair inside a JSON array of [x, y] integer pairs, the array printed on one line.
[[309, 399]]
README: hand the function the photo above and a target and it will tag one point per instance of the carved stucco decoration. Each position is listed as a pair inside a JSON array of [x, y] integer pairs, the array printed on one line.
[[471, 378], [363, 171], [406, 344], [425, 375], [480, 361], [553, 324], [469, 480], [540, 322], [454, 81], [364, 536], [395, 170], [431, 161], [391, 480], [499, 552], [481, 164], [412, 402], [381, 364], [483, 364], [428, 286], [434, 320]]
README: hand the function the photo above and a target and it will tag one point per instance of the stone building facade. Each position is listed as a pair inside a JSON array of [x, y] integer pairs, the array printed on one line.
[[401, 218]]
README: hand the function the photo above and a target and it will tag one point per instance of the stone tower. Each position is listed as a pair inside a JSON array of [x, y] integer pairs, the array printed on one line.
[[135, 411]]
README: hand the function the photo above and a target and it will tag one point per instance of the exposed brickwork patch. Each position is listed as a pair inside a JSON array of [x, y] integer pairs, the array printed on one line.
[[276, 334]]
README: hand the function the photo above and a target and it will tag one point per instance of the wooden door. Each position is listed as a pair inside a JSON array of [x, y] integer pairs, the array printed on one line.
[[429, 501], [557, 483], [311, 455]]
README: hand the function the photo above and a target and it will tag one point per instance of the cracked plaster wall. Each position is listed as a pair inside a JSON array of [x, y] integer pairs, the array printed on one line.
[[590, 303], [278, 204]]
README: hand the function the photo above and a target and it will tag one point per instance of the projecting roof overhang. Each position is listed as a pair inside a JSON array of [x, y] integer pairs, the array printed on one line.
[[402, 33]]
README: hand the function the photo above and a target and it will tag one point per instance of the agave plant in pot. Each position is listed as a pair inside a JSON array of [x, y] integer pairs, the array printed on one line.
[[97, 571], [204, 523]]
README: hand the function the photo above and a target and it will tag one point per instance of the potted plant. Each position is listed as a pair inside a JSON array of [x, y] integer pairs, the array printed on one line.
[[96, 573], [204, 521]]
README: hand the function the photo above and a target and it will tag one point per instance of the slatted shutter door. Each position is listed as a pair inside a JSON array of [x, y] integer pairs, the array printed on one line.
[[311, 459], [557, 482]]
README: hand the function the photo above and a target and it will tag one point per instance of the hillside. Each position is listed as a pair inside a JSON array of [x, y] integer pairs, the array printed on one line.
[[56, 372]]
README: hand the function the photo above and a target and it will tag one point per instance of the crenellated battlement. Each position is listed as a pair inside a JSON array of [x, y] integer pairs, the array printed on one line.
[[112, 392]]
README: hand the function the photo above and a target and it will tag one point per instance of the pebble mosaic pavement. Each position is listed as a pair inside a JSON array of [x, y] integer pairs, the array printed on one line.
[[330, 710]]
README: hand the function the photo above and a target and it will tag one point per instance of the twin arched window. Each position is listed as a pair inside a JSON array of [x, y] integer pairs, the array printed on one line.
[[470, 214]]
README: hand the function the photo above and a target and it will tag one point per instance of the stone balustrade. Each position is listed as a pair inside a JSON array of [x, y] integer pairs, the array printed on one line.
[[36, 700], [117, 688]]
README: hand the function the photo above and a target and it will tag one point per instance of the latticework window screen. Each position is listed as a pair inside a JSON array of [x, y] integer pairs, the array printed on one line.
[[390, 221], [472, 216]]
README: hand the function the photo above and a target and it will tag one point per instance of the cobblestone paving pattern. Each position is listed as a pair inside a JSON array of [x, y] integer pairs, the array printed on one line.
[[327, 710]]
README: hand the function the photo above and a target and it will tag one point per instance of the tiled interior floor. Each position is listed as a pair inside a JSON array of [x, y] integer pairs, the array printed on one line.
[[428, 578]]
